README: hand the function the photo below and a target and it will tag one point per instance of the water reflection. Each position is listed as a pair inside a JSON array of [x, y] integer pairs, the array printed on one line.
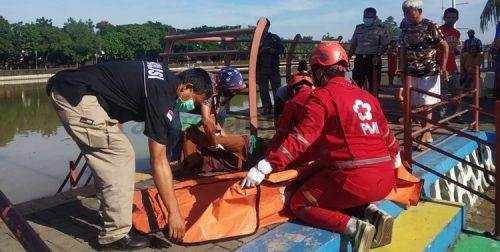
[[25, 109]]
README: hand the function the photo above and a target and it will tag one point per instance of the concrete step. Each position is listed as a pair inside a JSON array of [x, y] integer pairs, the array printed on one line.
[[431, 226]]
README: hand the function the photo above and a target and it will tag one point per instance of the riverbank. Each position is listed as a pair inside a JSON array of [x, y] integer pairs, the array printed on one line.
[[24, 79]]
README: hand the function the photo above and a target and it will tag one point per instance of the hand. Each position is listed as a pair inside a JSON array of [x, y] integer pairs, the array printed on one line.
[[445, 74], [257, 174], [397, 161], [176, 227], [216, 147]]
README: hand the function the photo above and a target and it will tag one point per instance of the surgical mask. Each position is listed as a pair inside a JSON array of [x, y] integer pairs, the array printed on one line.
[[184, 106], [368, 21]]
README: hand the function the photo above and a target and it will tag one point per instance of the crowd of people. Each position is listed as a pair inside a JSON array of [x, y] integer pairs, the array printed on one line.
[[321, 118]]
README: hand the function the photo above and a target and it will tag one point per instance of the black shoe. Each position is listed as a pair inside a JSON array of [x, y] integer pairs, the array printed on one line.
[[266, 112], [131, 241]]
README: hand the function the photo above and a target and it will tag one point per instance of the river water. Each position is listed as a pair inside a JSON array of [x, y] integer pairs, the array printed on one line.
[[35, 149]]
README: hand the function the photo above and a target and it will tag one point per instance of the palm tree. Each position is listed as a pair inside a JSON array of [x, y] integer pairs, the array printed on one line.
[[490, 14]]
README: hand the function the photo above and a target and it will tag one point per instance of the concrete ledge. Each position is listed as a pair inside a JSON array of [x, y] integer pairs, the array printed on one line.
[[296, 236], [24, 79]]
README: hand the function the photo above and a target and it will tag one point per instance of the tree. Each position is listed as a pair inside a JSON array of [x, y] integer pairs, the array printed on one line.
[[6, 41], [104, 27], [392, 28], [26, 40], [84, 43], [490, 14], [54, 42], [114, 44]]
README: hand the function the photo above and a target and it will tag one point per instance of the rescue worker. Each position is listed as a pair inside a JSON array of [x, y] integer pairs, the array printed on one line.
[[268, 67], [369, 43], [212, 140], [93, 100], [283, 93], [348, 128], [299, 87]]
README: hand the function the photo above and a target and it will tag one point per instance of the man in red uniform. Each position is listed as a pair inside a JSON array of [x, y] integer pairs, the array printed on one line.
[[299, 88], [348, 125]]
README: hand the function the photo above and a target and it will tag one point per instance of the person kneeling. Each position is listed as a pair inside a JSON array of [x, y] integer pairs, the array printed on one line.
[[355, 147]]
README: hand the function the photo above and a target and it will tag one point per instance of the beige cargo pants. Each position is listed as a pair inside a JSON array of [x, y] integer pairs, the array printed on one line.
[[110, 157]]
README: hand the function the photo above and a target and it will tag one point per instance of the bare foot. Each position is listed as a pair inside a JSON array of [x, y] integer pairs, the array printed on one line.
[[426, 138]]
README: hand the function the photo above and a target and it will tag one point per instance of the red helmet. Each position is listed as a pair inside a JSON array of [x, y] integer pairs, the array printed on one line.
[[300, 78], [328, 54]]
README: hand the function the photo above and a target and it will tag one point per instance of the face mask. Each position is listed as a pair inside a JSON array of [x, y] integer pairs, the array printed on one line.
[[368, 21], [184, 106]]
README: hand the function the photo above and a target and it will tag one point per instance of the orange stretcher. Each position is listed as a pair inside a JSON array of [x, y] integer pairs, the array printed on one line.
[[217, 207]]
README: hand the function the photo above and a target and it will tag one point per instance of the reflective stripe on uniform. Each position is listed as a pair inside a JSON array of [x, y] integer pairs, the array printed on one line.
[[301, 138], [362, 162], [392, 143], [286, 152], [386, 134]]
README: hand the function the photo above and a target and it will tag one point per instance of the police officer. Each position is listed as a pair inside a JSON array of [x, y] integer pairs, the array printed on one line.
[[369, 42]]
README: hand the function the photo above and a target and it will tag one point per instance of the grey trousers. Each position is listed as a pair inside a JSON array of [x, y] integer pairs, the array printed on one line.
[[110, 157]]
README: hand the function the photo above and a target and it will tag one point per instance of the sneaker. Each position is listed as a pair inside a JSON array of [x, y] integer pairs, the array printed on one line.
[[383, 224], [363, 238]]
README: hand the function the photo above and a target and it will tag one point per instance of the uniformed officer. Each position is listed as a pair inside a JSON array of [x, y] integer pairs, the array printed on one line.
[[91, 102], [369, 42]]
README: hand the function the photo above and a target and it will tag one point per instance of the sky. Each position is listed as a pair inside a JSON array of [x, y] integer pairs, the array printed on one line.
[[288, 17]]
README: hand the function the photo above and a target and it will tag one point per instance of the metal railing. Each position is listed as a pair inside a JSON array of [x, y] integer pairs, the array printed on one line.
[[411, 136], [229, 38], [73, 177], [24, 233]]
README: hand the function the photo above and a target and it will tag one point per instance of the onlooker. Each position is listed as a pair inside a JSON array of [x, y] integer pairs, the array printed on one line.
[[392, 61], [471, 57], [268, 68], [369, 42], [339, 38], [92, 101], [452, 37], [496, 90], [419, 40]]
